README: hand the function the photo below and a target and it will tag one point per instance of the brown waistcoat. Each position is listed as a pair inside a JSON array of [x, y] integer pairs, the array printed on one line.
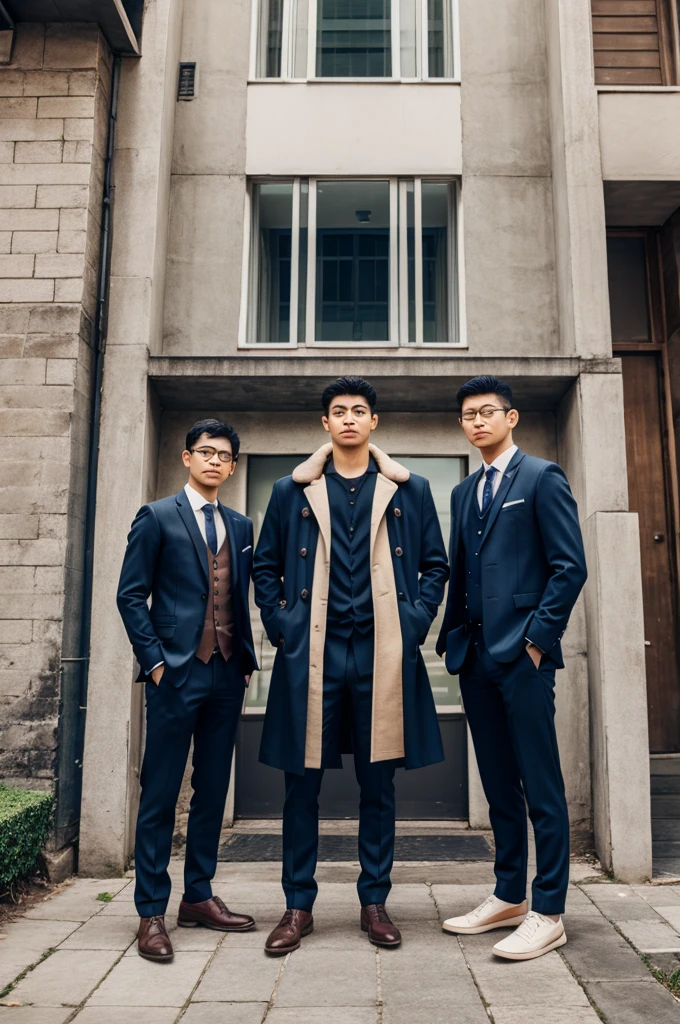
[[218, 629]]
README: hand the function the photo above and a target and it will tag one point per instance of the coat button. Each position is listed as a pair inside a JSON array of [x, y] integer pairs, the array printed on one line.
[[305, 513], [304, 594], [398, 552], [397, 513], [303, 552], [283, 603], [204, 597]]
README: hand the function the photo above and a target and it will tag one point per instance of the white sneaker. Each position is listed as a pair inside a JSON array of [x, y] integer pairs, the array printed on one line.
[[492, 913], [534, 937]]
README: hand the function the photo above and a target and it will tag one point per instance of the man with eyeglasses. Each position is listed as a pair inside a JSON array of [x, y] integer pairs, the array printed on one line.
[[193, 556], [517, 568]]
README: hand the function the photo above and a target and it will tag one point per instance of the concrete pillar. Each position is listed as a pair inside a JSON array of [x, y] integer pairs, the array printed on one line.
[[592, 453], [578, 201], [129, 435]]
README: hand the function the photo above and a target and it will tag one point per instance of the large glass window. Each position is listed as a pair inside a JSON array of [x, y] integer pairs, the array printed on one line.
[[263, 471], [353, 262], [411, 39]]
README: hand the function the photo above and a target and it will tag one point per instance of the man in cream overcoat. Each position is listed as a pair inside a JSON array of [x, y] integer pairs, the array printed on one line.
[[349, 572]]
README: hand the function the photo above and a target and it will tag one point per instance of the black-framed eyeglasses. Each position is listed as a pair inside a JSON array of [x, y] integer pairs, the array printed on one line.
[[486, 412], [209, 453]]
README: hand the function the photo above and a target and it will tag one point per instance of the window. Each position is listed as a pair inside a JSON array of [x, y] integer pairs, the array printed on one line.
[[368, 262], [411, 39]]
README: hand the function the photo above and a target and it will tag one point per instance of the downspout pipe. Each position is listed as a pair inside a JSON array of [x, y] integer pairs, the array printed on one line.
[[72, 718]]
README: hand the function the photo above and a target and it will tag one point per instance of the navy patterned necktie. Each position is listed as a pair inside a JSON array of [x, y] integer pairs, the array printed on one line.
[[487, 494], [210, 531]]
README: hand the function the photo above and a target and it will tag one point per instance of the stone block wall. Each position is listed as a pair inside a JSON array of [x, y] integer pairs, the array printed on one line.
[[54, 105]]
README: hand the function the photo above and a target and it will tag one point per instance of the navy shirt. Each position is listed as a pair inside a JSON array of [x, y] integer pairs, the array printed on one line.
[[350, 598]]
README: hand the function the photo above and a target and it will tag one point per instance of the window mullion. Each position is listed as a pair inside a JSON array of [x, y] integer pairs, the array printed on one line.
[[286, 39], [418, 255], [394, 263], [403, 265], [310, 325], [294, 265], [395, 38], [311, 41], [422, 49]]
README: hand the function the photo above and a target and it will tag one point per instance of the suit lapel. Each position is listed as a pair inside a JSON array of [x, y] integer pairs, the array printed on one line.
[[189, 519], [231, 537], [506, 483]]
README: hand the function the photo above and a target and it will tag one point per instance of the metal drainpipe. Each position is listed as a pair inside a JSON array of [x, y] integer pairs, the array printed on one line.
[[73, 703]]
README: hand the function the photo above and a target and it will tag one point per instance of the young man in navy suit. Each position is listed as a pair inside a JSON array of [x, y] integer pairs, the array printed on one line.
[[517, 568], [193, 556]]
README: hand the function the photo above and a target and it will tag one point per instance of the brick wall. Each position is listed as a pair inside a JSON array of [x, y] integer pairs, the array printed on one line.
[[54, 101]]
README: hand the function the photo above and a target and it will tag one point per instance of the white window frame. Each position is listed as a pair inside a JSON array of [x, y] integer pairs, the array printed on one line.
[[398, 300], [288, 24]]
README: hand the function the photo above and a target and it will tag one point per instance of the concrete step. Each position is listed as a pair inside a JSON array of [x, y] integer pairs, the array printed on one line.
[[662, 784], [665, 764], [666, 805]]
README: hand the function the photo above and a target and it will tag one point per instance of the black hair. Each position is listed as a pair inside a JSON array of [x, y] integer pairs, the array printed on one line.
[[349, 386], [486, 385], [213, 428]]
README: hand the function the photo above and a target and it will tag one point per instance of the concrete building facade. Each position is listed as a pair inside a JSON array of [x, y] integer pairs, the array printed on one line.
[[410, 192]]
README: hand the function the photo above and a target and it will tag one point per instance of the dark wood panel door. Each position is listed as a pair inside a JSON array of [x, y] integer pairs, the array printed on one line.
[[648, 496]]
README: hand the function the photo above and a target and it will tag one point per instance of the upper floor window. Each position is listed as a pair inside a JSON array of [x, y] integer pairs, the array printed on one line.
[[411, 39], [364, 261]]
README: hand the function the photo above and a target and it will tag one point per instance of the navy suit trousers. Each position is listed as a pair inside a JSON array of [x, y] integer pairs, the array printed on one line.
[[206, 707], [348, 679], [511, 713]]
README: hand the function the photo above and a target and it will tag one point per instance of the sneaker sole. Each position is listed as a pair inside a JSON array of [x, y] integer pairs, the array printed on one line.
[[536, 953], [290, 949], [509, 922]]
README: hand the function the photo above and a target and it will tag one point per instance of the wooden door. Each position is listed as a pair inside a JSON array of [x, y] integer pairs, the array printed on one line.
[[648, 495]]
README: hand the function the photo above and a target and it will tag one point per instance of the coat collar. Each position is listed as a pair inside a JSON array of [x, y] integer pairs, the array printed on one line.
[[313, 468]]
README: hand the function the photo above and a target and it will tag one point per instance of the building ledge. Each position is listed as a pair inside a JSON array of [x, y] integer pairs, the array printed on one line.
[[426, 384], [119, 20]]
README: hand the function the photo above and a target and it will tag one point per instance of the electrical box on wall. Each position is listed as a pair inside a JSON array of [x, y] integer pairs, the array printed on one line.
[[186, 88]]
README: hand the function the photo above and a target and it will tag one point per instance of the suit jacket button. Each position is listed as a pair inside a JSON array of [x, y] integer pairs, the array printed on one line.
[[397, 513], [305, 513], [398, 552], [283, 603], [304, 594], [303, 552]]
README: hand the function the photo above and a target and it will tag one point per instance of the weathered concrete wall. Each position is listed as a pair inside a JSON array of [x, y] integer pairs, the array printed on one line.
[[53, 120]]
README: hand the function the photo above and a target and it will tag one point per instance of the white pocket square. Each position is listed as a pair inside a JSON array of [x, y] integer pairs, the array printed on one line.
[[250, 546], [518, 501]]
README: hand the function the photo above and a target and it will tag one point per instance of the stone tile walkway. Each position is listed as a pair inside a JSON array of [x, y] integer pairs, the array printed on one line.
[[73, 958]]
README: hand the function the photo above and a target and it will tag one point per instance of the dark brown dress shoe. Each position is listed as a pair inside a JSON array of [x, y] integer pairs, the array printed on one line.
[[381, 932], [289, 932], [153, 942], [212, 913]]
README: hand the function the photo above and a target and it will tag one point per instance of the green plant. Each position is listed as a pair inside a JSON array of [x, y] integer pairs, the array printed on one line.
[[105, 897], [25, 818]]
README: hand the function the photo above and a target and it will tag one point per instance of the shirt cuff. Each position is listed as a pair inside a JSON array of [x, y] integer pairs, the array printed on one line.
[[153, 669], [534, 645]]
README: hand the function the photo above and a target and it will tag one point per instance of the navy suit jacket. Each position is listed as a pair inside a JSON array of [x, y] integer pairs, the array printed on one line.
[[166, 558], [532, 564]]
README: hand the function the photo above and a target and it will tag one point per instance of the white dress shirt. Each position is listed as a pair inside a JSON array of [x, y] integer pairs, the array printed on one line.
[[500, 465], [197, 501]]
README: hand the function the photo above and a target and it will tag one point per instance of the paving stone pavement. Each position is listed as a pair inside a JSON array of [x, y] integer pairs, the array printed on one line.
[[73, 958]]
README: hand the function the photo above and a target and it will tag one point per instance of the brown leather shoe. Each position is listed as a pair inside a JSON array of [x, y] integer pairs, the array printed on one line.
[[153, 942], [381, 932], [289, 932], [213, 914]]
